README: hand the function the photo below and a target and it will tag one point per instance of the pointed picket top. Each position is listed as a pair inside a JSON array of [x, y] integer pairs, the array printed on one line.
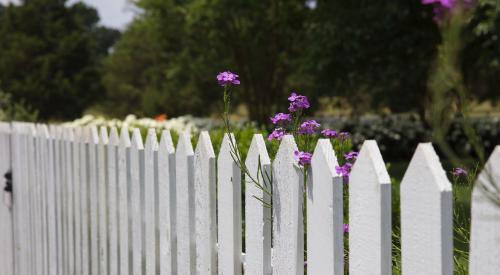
[[324, 156], [114, 139], [257, 215], [125, 137], [85, 135], [166, 144], [226, 150], [77, 132], [70, 136], [94, 135], [151, 140], [184, 146], [45, 131], [136, 141], [103, 135], [204, 147], [325, 238], [288, 250], [369, 213], [485, 219], [426, 215]]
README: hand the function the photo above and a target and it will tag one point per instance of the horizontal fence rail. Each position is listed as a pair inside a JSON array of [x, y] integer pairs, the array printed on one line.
[[103, 201]]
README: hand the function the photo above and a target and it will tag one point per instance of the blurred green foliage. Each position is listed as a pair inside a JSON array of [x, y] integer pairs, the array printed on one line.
[[50, 56]]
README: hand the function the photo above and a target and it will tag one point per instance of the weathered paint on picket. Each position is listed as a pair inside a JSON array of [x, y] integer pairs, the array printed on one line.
[[184, 161], [229, 209], [257, 210], [123, 199], [76, 200], [485, 219], [150, 181], [426, 216], [166, 196], [6, 218], [205, 204], [288, 233], [93, 201], [136, 189], [84, 199], [112, 200], [325, 240], [102, 199], [370, 228]]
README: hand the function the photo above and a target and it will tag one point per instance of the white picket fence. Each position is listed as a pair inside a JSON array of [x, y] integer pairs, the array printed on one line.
[[86, 201]]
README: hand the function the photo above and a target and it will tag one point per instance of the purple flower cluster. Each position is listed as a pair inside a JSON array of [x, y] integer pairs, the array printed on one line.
[[308, 127], [345, 170], [346, 228], [297, 102], [449, 4], [458, 172], [280, 118], [351, 156], [228, 78], [277, 134], [304, 158], [328, 133]]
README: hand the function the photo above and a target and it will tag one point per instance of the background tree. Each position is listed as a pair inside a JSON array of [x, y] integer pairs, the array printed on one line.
[[50, 56]]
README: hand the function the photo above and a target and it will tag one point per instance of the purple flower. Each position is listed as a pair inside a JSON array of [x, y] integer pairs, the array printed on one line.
[[297, 102], [343, 136], [457, 172], [329, 133], [228, 78], [281, 117], [449, 4], [304, 158], [344, 171], [308, 127], [351, 156], [346, 228], [277, 134]]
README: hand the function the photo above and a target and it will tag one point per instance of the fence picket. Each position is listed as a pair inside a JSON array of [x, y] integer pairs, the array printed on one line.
[[229, 209], [370, 228], [288, 233], [112, 206], [93, 201], [51, 203], [77, 216], [150, 182], [184, 161], [85, 199], [485, 219], [167, 206], [257, 210], [205, 200], [123, 199], [426, 216], [136, 189], [69, 200], [6, 216], [102, 182], [325, 240]]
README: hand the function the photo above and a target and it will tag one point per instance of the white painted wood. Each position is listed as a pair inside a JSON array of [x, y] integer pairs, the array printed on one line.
[[426, 216], [150, 181], [370, 228], [325, 240], [184, 161], [6, 217], [69, 201], [123, 199], [93, 200], [257, 213], [136, 184], [205, 206], [229, 210], [75, 147], [51, 205], [112, 199], [44, 158], [85, 199], [33, 248], [288, 233], [485, 219], [166, 206], [102, 183]]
